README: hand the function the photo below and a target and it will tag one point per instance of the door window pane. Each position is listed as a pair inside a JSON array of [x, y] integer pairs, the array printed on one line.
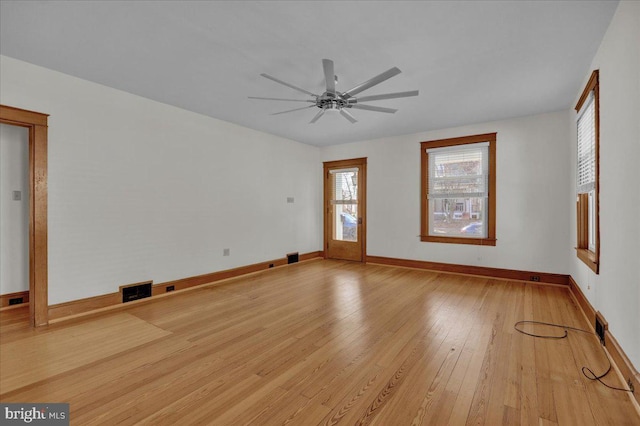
[[344, 200]]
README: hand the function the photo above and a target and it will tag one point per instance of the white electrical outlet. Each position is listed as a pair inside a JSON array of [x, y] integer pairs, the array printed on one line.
[[226, 252], [290, 200], [17, 195]]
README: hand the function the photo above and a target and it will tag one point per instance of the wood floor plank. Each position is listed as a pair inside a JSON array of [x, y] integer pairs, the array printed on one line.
[[528, 385], [323, 342], [487, 396], [543, 349], [294, 409]]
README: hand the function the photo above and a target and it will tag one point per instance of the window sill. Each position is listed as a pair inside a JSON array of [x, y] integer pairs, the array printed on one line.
[[589, 259], [458, 240]]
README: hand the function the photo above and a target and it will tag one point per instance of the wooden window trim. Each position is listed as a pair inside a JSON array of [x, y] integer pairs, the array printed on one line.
[[590, 258], [490, 240], [582, 219]]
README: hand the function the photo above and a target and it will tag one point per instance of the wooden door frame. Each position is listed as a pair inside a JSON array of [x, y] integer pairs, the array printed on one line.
[[362, 199], [38, 273]]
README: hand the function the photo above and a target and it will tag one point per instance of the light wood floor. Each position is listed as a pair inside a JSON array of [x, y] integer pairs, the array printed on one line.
[[321, 342]]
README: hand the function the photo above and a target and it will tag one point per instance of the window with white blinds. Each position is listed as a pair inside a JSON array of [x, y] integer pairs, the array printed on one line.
[[587, 187], [458, 190], [586, 168]]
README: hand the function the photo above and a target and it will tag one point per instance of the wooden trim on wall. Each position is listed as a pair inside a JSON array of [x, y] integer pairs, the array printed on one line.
[[22, 117], [622, 361], [4, 298], [212, 277], [582, 301], [508, 274], [458, 240], [80, 306], [589, 259], [311, 255], [591, 85], [38, 257], [467, 139], [617, 354], [114, 300]]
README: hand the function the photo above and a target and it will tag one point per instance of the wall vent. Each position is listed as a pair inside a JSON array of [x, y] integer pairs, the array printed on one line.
[[601, 327], [293, 258], [136, 291], [16, 301]]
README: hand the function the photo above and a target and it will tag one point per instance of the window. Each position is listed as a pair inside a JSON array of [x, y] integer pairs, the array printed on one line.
[[459, 190], [587, 171]]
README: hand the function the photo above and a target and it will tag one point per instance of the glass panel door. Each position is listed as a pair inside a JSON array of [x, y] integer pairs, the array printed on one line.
[[345, 209]]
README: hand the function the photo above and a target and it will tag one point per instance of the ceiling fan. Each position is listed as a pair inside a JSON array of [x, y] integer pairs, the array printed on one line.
[[341, 101]]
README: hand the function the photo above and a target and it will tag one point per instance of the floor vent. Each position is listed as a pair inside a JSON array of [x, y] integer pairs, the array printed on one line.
[[135, 291], [601, 326], [293, 257]]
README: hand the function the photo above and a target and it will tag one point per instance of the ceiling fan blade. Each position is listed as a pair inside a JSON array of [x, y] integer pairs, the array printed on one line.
[[291, 110], [282, 99], [373, 108], [318, 115], [372, 82], [347, 115], [329, 75], [388, 96], [287, 84]]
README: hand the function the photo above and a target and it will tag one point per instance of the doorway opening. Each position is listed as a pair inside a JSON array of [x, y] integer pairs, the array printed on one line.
[[36, 124], [14, 215]]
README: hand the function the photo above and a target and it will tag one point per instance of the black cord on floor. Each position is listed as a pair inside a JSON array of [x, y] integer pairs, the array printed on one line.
[[591, 375]]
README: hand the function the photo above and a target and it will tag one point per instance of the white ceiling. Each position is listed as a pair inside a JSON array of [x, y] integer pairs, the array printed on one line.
[[472, 61]]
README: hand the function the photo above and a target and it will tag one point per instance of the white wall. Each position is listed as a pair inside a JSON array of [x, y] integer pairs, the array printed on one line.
[[141, 190], [14, 215], [616, 290], [532, 223]]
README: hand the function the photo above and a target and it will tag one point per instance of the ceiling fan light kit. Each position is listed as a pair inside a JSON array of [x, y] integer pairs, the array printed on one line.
[[332, 100]]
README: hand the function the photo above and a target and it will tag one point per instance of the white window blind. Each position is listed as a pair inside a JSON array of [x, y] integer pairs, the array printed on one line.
[[460, 171], [586, 170]]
